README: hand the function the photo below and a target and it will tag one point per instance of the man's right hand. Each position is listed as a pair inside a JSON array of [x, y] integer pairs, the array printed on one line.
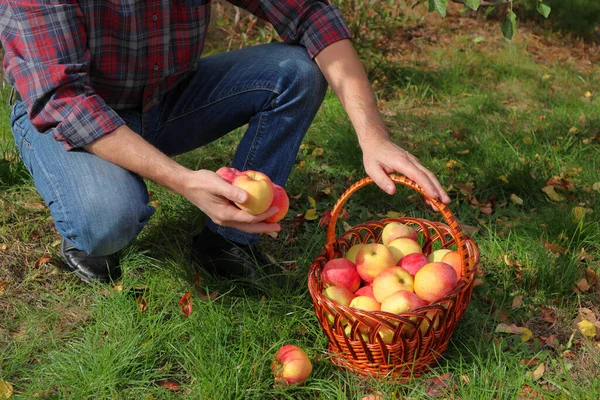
[[214, 196]]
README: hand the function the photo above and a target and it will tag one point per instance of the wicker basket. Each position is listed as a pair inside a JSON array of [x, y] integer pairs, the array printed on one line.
[[381, 344]]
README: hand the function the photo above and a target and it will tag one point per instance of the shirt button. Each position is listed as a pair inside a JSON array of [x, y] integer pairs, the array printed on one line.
[[154, 17], [156, 67]]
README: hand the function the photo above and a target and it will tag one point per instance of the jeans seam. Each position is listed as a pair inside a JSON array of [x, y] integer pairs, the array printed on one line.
[[216, 101]]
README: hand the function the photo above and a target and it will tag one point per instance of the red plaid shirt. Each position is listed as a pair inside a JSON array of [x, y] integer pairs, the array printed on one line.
[[75, 62]]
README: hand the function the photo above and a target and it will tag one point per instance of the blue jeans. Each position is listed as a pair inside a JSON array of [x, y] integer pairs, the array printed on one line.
[[100, 207]]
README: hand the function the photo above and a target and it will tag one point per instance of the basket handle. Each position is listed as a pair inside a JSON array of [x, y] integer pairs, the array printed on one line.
[[401, 179]]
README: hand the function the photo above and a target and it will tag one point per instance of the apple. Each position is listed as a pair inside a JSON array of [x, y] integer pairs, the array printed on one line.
[[259, 188], [353, 251], [413, 262], [453, 258], [402, 247], [341, 272], [348, 332], [281, 201], [402, 301], [373, 258], [365, 291], [338, 294], [391, 280], [395, 230], [291, 366], [434, 281], [365, 303], [433, 315], [437, 255], [228, 174]]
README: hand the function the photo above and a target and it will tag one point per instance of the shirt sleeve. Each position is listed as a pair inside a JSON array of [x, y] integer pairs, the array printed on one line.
[[315, 24], [48, 61]]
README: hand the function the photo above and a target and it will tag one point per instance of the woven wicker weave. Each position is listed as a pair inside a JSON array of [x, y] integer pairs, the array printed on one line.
[[381, 344]]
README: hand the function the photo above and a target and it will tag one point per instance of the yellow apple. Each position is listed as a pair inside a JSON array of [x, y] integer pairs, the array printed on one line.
[[353, 251], [437, 255], [395, 230], [453, 258], [340, 295], [402, 247], [373, 258], [260, 191], [401, 301], [391, 280], [434, 281]]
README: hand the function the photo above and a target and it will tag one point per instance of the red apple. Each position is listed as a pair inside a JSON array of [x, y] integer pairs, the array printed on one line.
[[434, 281], [228, 174], [401, 301], [453, 258], [291, 366], [260, 191], [341, 272], [353, 251], [281, 201], [373, 258], [395, 230], [338, 294], [402, 247], [413, 262], [365, 291], [391, 280], [437, 255]]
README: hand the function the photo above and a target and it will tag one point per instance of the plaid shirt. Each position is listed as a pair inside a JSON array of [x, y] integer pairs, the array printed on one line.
[[75, 62]]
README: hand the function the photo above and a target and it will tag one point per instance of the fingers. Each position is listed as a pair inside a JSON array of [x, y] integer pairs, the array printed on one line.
[[230, 192]]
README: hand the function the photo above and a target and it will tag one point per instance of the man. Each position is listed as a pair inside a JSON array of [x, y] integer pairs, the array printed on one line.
[[108, 90]]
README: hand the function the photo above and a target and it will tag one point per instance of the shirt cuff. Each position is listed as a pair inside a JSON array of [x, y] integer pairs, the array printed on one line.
[[325, 27], [91, 119]]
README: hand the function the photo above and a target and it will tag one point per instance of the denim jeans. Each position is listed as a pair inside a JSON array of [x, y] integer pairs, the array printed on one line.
[[100, 207]]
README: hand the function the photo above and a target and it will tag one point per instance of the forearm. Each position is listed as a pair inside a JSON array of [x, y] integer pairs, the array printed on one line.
[[130, 151], [347, 77]]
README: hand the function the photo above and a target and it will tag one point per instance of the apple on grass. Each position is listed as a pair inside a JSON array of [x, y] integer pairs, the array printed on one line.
[[413, 262], [353, 251], [341, 272], [453, 258], [402, 247], [437, 255], [291, 366], [373, 258], [395, 230], [434, 281], [391, 280], [260, 191], [281, 201]]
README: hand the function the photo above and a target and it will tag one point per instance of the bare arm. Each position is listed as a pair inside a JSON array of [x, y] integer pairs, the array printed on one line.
[[346, 76], [203, 188]]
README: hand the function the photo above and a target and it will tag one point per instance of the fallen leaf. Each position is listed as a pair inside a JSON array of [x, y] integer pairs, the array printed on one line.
[[538, 372], [312, 202], [591, 276], [587, 94], [596, 186], [517, 301], [394, 214], [560, 183], [573, 130], [3, 286], [587, 328], [527, 140], [516, 199], [169, 385], [186, 304], [441, 385], [463, 152], [552, 341], [6, 390], [477, 282], [554, 248], [503, 178], [583, 285], [523, 332], [552, 194], [529, 362], [324, 221], [311, 215], [465, 188], [45, 260], [545, 77], [452, 164], [3, 247], [465, 378], [580, 212], [197, 279], [142, 303]]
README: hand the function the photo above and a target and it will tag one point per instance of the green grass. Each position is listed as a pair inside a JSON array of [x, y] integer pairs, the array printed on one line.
[[501, 115]]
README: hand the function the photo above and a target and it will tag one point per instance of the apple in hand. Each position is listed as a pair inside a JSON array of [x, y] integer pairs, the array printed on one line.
[[434, 281], [373, 258], [437, 255], [260, 191], [353, 251], [413, 262], [281, 201], [291, 366], [228, 174], [395, 230], [391, 280], [402, 247], [402, 301], [341, 272], [453, 258]]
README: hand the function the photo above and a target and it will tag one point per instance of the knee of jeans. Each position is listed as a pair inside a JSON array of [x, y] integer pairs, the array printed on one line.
[[304, 72], [107, 227]]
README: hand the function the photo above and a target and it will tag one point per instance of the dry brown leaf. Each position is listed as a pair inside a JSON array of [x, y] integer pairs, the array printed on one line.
[[45, 260], [3, 286], [517, 301], [591, 276], [477, 282], [573, 131], [538, 372], [552, 194], [529, 362], [596, 186], [583, 285], [516, 200], [503, 178]]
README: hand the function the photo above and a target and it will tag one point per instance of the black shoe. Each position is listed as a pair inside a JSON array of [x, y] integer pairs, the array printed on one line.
[[228, 259], [87, 267]]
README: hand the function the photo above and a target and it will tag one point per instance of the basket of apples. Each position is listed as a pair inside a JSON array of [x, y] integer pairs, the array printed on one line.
[[389, 293]]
